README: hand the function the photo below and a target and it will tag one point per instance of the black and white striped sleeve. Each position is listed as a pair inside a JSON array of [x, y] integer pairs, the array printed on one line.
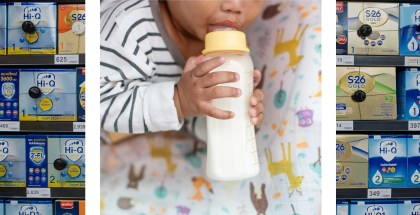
[[130, 101]]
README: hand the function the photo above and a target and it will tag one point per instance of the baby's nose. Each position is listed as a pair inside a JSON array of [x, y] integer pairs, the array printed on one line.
[[232, 6]]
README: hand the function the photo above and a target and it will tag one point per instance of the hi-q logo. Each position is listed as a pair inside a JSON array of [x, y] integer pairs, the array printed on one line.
[[416, 210], [388, 149], [417, 17], [37, 155], [29, 210], [46, 82], [32, 14], [4, 150], [375, 210], [74, 149], [8, 89]]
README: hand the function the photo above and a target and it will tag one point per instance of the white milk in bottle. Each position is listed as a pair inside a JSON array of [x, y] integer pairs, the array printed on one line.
[[231, 148]]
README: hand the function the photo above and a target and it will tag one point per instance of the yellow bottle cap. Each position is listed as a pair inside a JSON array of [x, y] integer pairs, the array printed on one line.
[[225, 40]]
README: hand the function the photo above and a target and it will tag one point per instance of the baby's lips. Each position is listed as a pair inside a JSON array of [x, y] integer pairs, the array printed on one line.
[[212, 28]]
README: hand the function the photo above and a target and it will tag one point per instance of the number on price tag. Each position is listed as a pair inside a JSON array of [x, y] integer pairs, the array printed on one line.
[[379, 193], [38, 192], [345, 60], [412, 61], [344, 125], [414, 125], [66, 59], [9, 126], [78, 127]]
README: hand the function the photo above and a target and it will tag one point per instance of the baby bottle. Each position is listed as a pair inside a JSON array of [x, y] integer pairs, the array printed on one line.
[[231, 149]]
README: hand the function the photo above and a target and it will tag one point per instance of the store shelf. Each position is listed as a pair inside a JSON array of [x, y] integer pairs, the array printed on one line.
[[58, 193], [381, 1], [42, 60], [57, 1], [367, 60], [8, 126], [361, 193], [388, 125]]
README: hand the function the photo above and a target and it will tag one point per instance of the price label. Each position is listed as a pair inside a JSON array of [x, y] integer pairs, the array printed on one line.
[[414, 125], [9, 126], [66, 59], [344, 60], [38, 192], [412, 61], [379, 193], [78, 127], [344, 126]]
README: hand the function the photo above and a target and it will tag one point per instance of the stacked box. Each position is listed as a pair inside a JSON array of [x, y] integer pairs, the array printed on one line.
[[409, 30], [3, 28], [341, 33], [374, 207], [12, 161], [373, 28], [37, 161], [9, 82], [69, 207], [28, 207], [81, 93], [366, 93], [409, 207], [71, 28], [387, 161], [352, 161], [66, 161], [32, 28], [342, 208], [47, 95], [408, 83], [413, 157], [1, 207]]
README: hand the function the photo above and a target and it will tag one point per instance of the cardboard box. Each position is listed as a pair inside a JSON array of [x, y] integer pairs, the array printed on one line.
[[373, 28], [47, 95], [37, 161], [409, 207], [408, 84], [387, 161], [409, 29], [366, 93], [66, 161], [9, 98], [374, 207], [341, 34], [71, 28], [413, 156], [32, 28], [12, 161], [81, 93], [70, 207], [3, 28], [28, 207]]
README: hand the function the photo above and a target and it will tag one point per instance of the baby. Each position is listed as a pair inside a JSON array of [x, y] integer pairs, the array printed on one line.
[[153, 76]]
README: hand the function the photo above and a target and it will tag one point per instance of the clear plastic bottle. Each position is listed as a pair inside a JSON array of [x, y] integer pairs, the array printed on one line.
[[231, 148]]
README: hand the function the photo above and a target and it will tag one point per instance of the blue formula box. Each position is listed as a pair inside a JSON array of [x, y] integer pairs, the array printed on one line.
[[47, 95], [28, 207], [32, 28], [3, 28], [374, 207], [341, 34], [12, 161], [413, 157], [1, 207], [408, 94], [69, 207], [81, 93], [409, 207], [9, 99], [36, 160], [387, 161], [66, 161], [409, 29]]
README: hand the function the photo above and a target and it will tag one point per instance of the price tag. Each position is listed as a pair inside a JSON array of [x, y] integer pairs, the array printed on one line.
[[414, 125], [9, 126], [379, 193], [66, 59], [412, 61], [344, 125], [38, 192], [344, 60], [78, 126]]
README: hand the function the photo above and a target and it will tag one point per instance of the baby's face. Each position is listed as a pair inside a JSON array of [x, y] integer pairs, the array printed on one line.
[[198, 17]]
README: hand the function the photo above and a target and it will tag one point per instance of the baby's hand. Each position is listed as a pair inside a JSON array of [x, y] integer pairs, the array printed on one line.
[[257, 99]]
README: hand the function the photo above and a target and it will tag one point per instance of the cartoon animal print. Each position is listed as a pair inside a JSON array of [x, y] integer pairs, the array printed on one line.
[[284, 166], [182, 210], [272, 10], [260, 204], [198, 182], [319, 93], [126, 203], [164, 152], [290, 46], [305, 117]]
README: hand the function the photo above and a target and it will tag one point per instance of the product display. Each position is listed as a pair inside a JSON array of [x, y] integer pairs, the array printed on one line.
[[28, 207], [69, 207], [12, 161], [408, 94], [413, 156], [341, 34], [3, 28], [32, 28], [383, 207], [9, 107], [342, 208], [81, 93], [36, 165], [409, 29], [71, 29], [409, 207]]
